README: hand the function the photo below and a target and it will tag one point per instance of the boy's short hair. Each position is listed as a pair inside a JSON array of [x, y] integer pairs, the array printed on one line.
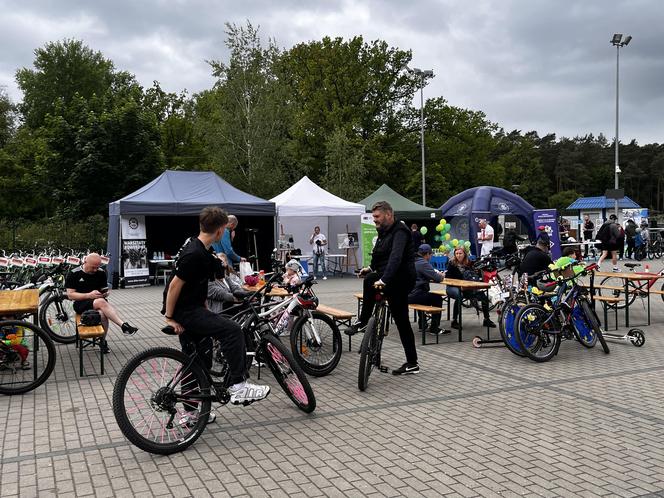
[[212, 218], [569, 251]]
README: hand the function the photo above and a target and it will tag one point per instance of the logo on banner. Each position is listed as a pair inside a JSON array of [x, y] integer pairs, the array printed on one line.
[[133, 223]]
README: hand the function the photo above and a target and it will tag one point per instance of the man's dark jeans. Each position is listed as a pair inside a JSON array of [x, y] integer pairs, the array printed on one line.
[[398, 302]]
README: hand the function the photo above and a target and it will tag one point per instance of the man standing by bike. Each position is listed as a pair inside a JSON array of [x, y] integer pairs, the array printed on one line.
[[185, 304], [392, 266]]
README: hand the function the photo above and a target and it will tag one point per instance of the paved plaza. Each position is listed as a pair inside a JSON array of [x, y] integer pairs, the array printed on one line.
[[475, 422]]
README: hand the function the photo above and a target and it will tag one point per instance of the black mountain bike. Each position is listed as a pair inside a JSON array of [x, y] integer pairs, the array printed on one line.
[[163, 396], [372, 343]]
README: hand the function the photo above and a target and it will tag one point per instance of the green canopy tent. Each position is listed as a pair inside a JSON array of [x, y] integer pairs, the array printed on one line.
[[404, 209]]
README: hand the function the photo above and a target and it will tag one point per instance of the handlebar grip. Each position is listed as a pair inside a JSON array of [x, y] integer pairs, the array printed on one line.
[[168, 330]]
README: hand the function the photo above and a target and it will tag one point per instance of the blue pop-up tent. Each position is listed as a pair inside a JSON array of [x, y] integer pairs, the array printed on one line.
[[464, 210], [183, 193]]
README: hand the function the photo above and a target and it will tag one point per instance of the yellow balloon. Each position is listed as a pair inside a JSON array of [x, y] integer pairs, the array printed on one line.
[[448, 236], [443, 222], [455, 242]]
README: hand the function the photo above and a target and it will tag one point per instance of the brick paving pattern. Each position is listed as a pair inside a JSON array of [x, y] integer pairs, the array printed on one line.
[[475, 422]]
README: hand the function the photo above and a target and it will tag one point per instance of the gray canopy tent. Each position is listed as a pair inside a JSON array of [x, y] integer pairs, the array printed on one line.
[[180, 194]]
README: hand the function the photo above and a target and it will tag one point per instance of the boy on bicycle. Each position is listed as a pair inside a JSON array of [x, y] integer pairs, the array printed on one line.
[[185, 304]]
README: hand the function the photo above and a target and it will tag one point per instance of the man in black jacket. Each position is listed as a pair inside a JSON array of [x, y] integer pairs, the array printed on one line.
[[392, 265], [420, 294]]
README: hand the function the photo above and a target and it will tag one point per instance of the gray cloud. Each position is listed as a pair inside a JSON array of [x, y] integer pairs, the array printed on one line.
[[528, 64]]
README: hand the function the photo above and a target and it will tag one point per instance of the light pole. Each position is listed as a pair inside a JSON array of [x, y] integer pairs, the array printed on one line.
[[427, 73], [618, 41]]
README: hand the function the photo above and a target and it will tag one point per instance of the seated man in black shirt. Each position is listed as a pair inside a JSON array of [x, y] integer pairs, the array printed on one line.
[[420, 294], [87, 286], [537, 258], [185, 304]]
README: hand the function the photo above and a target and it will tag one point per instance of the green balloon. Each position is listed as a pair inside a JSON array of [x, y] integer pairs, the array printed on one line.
[[448, 227], [436, 238], [467, 243], [423, 230]]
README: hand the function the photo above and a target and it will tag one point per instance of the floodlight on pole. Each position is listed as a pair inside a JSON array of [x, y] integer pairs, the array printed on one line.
[[618, 41]]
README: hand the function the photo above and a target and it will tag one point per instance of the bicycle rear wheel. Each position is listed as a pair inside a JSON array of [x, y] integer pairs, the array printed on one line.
[[58, 318], [27, 357], [593, 321], [534, 331], [158, 401], [367, 354], [316, 343], [288, 373], [507, 325], [615, 287]]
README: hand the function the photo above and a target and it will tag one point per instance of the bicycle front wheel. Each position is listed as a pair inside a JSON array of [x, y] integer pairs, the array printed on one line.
[[288, 373], [58, 318], [534, 331], [161, 401], [583, 329], [591, 317], [367, 354], [27, 357], [316, 343]]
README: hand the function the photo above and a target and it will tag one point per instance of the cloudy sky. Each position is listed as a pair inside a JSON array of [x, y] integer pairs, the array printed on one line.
[[544, 65]]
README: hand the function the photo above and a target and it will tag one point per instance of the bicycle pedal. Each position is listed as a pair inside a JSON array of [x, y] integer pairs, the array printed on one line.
[[384, 369]]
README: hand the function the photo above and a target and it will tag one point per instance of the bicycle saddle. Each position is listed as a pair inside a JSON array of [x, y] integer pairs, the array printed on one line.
[[632, 265]]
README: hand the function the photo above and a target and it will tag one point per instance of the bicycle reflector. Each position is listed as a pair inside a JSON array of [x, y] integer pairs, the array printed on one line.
[[307, 301]]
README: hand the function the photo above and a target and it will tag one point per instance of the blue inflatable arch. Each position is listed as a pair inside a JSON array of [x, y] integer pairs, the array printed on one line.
[[464, 210]]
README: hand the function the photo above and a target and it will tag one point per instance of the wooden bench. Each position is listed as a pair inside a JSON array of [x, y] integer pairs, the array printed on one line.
[[424, 314], [606, 301], [340, 317], [87, 337]]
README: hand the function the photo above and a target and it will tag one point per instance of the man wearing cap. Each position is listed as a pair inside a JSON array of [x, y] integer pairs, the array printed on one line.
[[420, 294]]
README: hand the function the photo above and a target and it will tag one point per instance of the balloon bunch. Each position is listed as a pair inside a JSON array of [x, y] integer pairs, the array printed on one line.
[[447, 243]]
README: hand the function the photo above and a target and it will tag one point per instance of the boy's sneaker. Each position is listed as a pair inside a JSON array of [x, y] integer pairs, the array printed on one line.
[[407, 369], [454, 324], [246, 393], [190, 421], [616, 269], [128, 329], [355, 328]]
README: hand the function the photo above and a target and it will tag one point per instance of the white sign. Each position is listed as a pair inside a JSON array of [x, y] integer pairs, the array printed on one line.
[[133, 227]]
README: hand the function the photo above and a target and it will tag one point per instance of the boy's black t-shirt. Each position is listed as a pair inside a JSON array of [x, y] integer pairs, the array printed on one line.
[[195, 266], [83, 282]]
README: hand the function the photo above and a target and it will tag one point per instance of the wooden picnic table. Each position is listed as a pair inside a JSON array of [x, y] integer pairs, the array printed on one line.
[[463, 285], [19, 302], [627, 277]]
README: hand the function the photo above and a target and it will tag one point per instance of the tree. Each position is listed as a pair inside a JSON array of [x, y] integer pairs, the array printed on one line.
[[243, 118], [62, 70], [344, 167], [7, 118]]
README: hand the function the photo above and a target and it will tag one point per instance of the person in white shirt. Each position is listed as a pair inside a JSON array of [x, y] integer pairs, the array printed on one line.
[[485, 237], [318, 242]]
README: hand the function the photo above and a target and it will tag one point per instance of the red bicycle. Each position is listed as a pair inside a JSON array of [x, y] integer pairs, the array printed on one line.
[[615, 286]]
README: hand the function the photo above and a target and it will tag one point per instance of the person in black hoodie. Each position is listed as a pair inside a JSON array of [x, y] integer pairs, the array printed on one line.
[[392, 265]]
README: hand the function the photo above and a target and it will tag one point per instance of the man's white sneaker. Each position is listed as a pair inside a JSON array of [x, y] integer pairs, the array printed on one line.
[[324, 278], [246, 393]]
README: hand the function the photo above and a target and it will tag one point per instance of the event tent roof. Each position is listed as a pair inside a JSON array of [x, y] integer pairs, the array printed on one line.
[[186, 193], [305, 198], [403, 207], [602, 202]]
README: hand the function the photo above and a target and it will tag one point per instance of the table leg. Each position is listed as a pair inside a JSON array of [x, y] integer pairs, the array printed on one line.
[[648, 287], [627, 303], [460, 318]]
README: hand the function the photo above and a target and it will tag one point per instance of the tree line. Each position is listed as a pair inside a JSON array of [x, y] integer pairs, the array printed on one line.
[[338, 110]]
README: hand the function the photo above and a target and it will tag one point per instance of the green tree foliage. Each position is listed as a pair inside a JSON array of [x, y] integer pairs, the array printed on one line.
[[97, 138], [7, 118], [345, 173], [242, 120]]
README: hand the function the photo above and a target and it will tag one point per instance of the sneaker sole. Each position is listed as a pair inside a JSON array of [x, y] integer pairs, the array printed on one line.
[[405, 373], [247, 402]]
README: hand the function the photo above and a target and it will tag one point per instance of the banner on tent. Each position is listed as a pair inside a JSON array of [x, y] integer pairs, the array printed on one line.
[[135, 268], [369, 236]]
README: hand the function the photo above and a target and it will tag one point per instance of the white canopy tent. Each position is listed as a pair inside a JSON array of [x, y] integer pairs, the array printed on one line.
[[306, 205]]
